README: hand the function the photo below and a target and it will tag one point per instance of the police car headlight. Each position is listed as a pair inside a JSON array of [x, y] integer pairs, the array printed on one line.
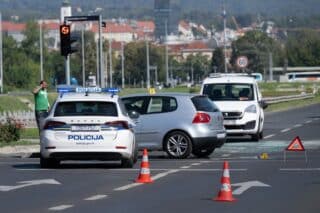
[[251, 109]]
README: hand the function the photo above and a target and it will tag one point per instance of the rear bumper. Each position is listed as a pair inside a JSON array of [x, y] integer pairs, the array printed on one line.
[[104, 156], [212, 142]]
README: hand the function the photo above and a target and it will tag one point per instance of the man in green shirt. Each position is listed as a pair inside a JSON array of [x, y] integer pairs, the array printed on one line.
[[41, 102]]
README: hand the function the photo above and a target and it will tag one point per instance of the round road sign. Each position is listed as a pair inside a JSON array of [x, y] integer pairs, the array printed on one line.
[[242, 61]]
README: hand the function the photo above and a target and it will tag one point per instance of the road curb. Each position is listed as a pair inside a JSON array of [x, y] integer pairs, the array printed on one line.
[[22, 151]]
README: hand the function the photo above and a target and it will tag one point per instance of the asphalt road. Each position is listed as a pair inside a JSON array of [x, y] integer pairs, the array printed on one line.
[[190, 185]]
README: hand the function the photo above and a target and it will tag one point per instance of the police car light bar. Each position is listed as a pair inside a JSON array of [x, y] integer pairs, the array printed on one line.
[[88, 90]]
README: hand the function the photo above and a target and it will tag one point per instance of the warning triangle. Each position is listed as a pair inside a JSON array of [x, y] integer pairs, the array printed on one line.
[[295, 145]]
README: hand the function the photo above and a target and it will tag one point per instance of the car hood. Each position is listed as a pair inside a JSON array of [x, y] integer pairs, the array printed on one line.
[[232, 106]]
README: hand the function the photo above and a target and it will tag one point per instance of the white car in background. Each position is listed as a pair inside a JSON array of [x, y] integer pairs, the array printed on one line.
[[86, 125], [240, 101]]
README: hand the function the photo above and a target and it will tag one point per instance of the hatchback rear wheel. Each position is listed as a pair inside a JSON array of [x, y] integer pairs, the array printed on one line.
[[178, 145], [202, 153]]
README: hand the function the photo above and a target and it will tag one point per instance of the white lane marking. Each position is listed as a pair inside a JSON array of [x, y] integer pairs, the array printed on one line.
[[33, 169], [248, 157], [269, 136], [96, 197], [161, 175], [28, 183], [60, 208], [286, 130], [158, 176], [299, 169], [225, 155], [247, 185], [195, 164], [309, 121], [297, 125], [126, 187], [211, 170], [185, 167]]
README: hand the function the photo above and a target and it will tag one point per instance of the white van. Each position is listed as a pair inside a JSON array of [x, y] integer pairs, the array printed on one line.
[[239, 99]]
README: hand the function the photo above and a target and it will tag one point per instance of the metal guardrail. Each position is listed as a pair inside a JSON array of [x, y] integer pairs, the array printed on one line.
[[280, 99]]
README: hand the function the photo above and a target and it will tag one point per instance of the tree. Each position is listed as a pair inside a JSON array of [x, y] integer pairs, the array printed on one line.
[[19, 70], [256, 45], [217, 61], [135, 61], [303, 49], [199, 64]]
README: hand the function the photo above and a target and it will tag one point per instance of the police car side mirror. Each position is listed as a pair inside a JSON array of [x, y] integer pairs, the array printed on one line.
[[133, 114]]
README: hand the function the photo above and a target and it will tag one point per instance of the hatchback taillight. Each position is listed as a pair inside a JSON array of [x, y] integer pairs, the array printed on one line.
[[201, 117], [118, 124], [53, 124]]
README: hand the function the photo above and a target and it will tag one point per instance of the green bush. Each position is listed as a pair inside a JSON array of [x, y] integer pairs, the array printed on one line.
[[10, 131]]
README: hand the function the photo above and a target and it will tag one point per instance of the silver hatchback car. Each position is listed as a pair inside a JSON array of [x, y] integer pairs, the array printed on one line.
[[178, 123]]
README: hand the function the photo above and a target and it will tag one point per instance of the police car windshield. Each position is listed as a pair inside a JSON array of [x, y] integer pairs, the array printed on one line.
[[86, 108], [229, 92]]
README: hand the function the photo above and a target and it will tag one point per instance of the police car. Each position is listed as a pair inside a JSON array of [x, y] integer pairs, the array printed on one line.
[[87, 124]]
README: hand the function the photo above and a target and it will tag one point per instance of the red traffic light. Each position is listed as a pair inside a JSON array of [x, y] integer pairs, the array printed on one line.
[[65, 29]]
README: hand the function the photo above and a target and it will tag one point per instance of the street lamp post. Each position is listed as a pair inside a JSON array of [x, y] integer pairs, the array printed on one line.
[[122, 65], [148, 65], [41, 50]]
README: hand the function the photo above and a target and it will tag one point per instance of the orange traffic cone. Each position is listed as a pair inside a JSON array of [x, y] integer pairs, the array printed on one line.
[[144, 176], [225, 193]]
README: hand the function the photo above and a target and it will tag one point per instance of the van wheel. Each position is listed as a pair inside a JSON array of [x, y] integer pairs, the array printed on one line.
[[261, 135], [178, 145], [255, 137]]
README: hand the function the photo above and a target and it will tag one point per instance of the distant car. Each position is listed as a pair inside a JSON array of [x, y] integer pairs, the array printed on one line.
[[179, 124], [87, 125], [239, 99]]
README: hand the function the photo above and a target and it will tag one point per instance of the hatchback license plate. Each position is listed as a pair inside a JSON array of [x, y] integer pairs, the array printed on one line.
[[85, 128], [221, 135]]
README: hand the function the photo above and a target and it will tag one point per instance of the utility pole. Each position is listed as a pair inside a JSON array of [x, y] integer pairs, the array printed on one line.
[[97, 63], [1, 60], [148, 65], [167, 59], [82, 58], [102, 83], [122, 65], [224, 14], [41, 50], [110, 61]]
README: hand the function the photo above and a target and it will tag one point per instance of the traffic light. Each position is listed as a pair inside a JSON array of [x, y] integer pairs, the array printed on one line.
[[66, 40]]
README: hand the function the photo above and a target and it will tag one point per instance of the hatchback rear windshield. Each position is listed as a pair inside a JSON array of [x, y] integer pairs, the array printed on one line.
[[202, 103], [86, 108], [229, 92]]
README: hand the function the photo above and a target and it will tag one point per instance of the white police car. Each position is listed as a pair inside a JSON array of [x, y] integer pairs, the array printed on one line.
[[87, 124]]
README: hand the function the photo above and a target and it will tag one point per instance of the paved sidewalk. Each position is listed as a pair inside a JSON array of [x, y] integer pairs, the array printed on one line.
[[23, 151]]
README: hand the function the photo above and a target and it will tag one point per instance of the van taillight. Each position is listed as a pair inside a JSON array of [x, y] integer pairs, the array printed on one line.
[[118, 124], [201, 117], [53, 124]]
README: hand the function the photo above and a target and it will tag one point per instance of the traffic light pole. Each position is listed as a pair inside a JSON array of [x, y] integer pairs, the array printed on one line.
[[102, 74], [67, 69], [100, 65]]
